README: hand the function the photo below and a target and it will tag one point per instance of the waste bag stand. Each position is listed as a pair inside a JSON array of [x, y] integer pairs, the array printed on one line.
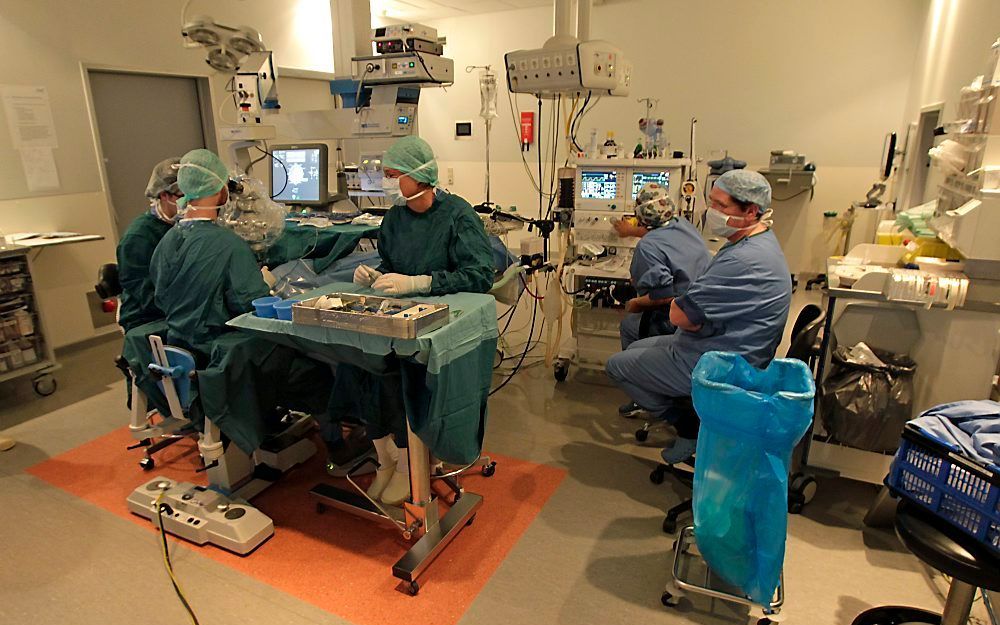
[[691, 575]]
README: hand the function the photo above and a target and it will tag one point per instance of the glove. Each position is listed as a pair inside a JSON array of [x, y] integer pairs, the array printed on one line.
[[398, 284], [364, 275]]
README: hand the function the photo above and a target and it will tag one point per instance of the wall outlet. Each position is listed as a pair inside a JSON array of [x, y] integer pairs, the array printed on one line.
[[451, 176]]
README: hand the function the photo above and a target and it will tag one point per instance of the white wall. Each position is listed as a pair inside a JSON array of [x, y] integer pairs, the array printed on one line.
[[48, 43], [828, 79]]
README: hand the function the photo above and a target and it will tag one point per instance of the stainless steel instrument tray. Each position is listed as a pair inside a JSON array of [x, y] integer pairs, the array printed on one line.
[[404, 319]]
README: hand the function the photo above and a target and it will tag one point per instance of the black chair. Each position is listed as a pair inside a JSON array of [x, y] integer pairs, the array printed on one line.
[[804, 346], [968, 563], [108, 286]]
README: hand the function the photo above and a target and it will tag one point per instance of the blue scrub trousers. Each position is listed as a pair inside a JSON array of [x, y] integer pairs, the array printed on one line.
[[659, 325]]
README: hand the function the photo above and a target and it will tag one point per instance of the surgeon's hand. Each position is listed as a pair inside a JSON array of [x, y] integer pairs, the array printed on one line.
[[365, 276], [625, 228], [398, 284], [633, 306]]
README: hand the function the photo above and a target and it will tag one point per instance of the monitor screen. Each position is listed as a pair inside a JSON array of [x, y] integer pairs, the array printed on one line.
[[598, 185], [305, 181], [640, 178]]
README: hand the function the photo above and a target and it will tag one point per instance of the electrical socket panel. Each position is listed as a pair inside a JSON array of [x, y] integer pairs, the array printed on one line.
[[589, 66]]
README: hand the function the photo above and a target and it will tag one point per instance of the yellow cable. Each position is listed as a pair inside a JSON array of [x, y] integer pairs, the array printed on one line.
[[166, 561]]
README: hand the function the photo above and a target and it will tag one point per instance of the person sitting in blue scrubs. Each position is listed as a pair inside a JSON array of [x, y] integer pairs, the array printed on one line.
[[740, 304], [670, 255]]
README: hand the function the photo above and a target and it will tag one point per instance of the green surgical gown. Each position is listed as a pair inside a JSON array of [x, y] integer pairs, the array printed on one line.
[[135, 250], [447, 242], [204, 275]]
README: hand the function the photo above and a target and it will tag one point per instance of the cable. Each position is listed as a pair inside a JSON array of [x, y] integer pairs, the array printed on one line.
[[534, 312], [517, 130], [166, 561], [539, 150], [794, 195], [361, 85], [278, 160], [528, 291]]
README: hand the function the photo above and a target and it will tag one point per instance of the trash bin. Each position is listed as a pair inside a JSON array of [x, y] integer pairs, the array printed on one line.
[[868, 397], [751, 420]]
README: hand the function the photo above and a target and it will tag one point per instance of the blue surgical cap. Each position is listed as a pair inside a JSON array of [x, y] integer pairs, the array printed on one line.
[[746, 186], [412, 156], [201, 173]]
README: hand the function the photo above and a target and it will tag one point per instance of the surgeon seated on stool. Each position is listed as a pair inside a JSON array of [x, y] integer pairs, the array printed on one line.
[[670, 255], [739, 304], [431, 243], [204, 274], [135, 250]]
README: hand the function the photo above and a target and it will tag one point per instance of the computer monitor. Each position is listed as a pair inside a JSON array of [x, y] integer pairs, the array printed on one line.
[[598, 185], [640, 178], [299, 174]]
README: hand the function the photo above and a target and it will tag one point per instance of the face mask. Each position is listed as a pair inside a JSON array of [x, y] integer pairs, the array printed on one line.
[[718, 223], [390, 186]]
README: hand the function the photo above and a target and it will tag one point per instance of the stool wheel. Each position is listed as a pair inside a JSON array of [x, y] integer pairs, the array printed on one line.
[[658, 474], [669, 525], [642, 435], [147, 464], [560, 371], [490, 469]]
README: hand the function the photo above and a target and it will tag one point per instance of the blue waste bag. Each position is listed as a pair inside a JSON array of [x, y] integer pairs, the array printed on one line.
[[751, 420]]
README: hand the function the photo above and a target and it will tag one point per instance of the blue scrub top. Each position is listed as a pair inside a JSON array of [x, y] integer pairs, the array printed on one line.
[[741, 302], [668, 259]]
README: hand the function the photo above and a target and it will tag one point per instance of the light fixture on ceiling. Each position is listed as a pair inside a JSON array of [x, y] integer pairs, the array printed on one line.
[[246, 41]]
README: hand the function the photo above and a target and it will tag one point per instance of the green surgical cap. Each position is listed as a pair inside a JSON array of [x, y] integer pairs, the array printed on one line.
[[201, 174], [412, 156]]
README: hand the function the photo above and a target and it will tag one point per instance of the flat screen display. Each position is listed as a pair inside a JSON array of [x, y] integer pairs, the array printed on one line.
[[640, 178], [598, 185], [304, 167]]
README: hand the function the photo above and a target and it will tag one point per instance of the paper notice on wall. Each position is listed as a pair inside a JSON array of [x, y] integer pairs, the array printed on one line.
[[29, 116], [39, 168]]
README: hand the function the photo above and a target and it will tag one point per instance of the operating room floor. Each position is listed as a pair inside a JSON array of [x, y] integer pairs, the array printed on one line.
[[595, 553]]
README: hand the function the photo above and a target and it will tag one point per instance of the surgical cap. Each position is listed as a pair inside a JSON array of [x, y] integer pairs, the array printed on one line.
[[201, 173], [163, 178], [410, 154], [653, 206], [746, 186]]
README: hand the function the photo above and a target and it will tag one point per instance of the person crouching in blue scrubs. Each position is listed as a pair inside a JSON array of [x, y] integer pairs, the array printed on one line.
[[740, 304], [670, 255]]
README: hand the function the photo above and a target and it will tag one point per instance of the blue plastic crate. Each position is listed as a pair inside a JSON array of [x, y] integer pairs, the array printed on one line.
[[962, 491]]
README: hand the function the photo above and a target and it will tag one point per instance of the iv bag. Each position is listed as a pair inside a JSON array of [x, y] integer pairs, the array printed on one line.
[[488, 94]]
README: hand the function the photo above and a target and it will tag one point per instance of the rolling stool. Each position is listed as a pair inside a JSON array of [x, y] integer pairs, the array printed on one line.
[[940, 545]]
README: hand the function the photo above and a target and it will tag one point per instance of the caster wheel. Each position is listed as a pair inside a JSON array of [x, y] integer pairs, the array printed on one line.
[[44, 385], [658, 475], [642, 435], [320, 508], [669, 526], [147, 464], [560, 371], [765, 621], [469, 522], [669, 601], [801, 490], [490, 469], [413, 588]]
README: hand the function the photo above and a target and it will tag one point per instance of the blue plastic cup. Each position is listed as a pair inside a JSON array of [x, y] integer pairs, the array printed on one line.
[[264, 306], [284, 309]]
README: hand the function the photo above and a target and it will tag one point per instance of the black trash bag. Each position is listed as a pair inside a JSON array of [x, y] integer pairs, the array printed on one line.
[[868, 397]]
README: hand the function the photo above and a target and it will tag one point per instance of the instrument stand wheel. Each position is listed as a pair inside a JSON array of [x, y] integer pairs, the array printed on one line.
[[671, 596], [560, 370], [489, 470], [758, 617], [413, 588], [44, 385], [147, 464], [669, 525]]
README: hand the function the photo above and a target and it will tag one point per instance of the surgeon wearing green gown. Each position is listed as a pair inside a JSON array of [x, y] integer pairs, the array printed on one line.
[[204, 274], [135, 250], [431, 243]]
